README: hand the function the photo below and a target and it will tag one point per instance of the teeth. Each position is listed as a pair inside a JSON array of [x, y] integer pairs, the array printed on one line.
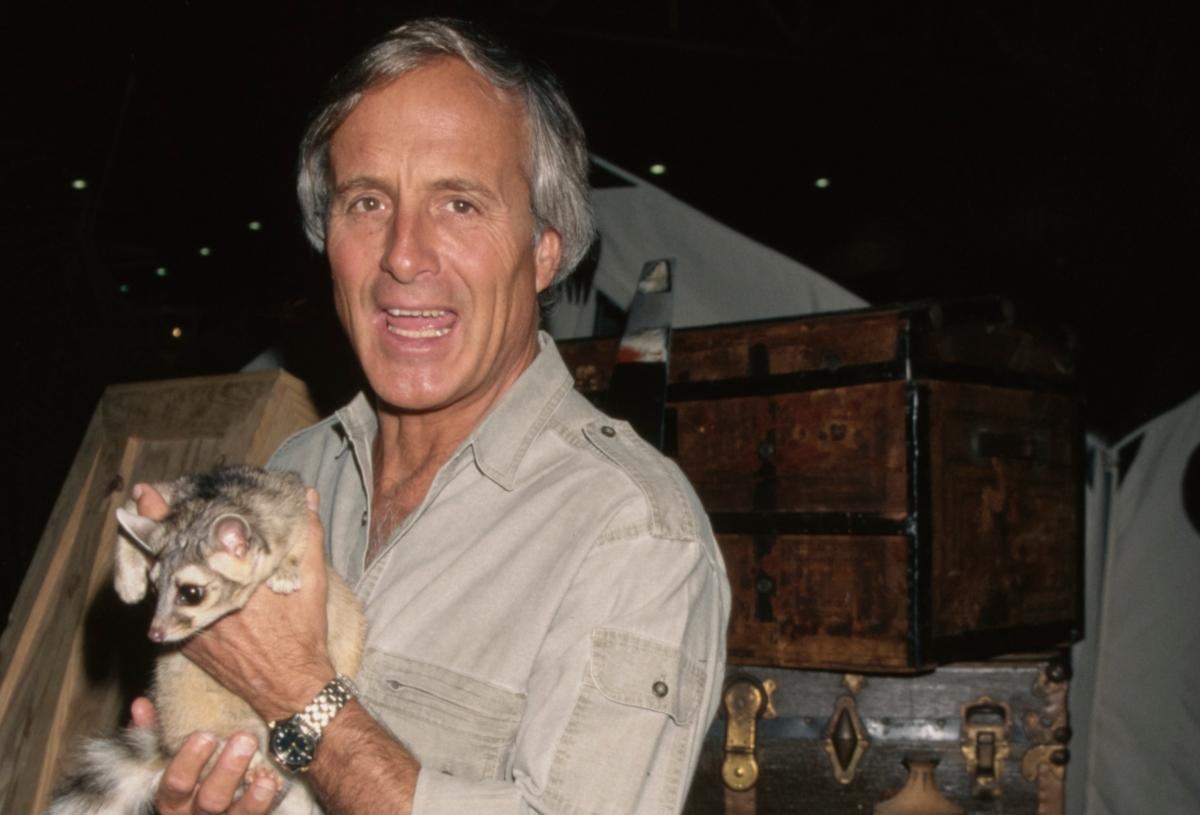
[[424, 333], [404, 312]]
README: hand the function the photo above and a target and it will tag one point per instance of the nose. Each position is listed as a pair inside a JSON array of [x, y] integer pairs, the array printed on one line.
[[156, 633], [410, 250]]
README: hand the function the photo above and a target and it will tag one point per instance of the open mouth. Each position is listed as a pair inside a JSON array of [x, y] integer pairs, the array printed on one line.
[[419, 324]]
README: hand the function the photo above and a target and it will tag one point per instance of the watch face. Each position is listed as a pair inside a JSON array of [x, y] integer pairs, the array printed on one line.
[[291, 746]]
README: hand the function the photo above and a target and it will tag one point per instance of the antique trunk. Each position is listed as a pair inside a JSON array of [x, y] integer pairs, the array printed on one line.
[[990, 736], [892, 488]]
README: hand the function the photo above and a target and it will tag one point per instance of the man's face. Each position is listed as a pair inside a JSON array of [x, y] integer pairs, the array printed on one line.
[[430, 239]]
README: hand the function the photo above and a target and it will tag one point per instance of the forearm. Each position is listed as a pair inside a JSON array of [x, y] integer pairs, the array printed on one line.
[[360, 769]]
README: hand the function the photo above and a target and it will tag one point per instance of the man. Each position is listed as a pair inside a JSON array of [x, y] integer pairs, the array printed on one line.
[[545, 599]]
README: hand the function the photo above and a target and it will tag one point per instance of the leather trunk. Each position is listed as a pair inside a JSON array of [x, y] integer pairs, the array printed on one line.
[[792, 741], [892, 488]]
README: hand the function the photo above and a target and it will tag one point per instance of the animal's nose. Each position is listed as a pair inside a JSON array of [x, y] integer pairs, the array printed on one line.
[[157, 633]]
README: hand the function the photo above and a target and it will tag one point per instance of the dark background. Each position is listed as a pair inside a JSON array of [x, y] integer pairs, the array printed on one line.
[[1046, 152]]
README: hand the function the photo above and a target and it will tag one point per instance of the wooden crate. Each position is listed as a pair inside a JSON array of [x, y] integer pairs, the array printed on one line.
[[73, 655], [836, 743], [892, 488]]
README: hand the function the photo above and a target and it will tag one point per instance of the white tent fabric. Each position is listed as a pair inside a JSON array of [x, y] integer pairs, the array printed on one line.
[[720, 275], [1134, 704]]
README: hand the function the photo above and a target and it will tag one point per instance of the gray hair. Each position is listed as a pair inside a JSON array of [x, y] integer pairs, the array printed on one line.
[[558, 160]]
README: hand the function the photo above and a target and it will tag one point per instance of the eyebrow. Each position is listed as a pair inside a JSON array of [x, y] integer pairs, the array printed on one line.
[[357, 183], [461, 184], [450, 184]]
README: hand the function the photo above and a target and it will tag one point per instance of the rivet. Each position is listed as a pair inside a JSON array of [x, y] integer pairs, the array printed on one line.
[[608, 431], [660, 689]]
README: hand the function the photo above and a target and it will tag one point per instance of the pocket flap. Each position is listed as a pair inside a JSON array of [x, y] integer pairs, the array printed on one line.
[[633, 670]]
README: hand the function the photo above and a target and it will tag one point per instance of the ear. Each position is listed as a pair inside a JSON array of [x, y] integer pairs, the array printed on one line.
[[547, 255], [144, 531], [233, 534], [131, 563], [130, 568]]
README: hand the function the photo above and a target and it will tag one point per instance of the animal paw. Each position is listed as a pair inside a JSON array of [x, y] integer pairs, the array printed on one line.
[[260, 772], [283, 584]]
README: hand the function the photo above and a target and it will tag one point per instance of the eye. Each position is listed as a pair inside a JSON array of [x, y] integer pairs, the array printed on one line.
[[461, 206], [367, 203], [189, 594]]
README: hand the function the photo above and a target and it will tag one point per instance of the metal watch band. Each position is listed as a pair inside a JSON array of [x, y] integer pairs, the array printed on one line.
[[325, 705]]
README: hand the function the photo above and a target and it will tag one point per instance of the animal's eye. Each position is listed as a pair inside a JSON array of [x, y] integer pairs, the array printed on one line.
[[190, 595]]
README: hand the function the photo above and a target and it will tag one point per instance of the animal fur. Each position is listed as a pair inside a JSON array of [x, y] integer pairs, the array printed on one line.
[[227, 532]]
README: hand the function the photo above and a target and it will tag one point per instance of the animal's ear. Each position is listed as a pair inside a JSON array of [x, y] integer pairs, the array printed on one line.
[[142, 530], [231, 559], [130, 571], [232, 533], [132, 560]]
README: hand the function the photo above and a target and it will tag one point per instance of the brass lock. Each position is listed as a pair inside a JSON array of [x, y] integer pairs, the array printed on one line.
[[845, 738], [746, 700], [986, 725]]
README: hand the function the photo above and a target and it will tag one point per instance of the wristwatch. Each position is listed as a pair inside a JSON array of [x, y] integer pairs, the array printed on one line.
[[293, 741]]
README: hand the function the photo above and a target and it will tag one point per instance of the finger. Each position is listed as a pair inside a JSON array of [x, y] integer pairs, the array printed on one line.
[[259, 796], [142, 712], [182, 774], [217, 791], [150, 502]]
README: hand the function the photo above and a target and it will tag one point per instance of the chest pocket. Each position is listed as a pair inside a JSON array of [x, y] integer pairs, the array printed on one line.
[[451, 723]]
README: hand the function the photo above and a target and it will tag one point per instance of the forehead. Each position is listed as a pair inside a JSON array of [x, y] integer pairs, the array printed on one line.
[[445, 111]]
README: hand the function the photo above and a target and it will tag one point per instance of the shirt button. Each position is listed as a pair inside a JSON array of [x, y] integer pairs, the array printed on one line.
[[660, 689], [608, 431]]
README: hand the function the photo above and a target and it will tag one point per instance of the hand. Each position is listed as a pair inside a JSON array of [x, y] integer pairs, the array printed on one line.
[[183, 792], [273, 652]]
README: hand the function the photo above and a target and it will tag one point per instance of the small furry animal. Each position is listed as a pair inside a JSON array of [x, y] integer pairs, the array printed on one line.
[[227, 531]]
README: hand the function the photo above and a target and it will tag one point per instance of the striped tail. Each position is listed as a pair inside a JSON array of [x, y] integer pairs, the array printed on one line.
[[117, 775]]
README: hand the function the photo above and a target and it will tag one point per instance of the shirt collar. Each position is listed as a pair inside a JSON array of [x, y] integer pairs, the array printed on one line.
[[501, 440]]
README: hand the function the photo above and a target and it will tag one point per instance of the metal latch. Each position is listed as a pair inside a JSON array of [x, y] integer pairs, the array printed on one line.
[[746, 700], [845, 739], [986, 725]]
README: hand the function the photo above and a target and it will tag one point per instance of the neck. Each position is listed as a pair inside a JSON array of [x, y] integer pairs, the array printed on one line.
[[412, 446], [412, 442]]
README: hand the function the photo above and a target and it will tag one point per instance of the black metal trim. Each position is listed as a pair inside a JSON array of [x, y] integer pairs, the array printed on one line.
[[988, 644], [1080, 531], [920, 532], [806, 523]]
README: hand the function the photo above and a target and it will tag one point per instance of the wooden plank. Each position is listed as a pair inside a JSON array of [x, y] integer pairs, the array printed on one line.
[[28, 693], [69, 661]]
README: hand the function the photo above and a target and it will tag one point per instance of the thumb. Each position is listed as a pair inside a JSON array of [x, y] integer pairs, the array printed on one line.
[[142, 712], [150, 503]]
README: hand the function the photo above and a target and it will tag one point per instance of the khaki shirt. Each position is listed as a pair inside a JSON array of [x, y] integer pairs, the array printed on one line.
[[547, 629]]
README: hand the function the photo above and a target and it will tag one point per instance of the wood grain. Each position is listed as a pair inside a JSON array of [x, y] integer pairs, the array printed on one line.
[[72, 654]]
